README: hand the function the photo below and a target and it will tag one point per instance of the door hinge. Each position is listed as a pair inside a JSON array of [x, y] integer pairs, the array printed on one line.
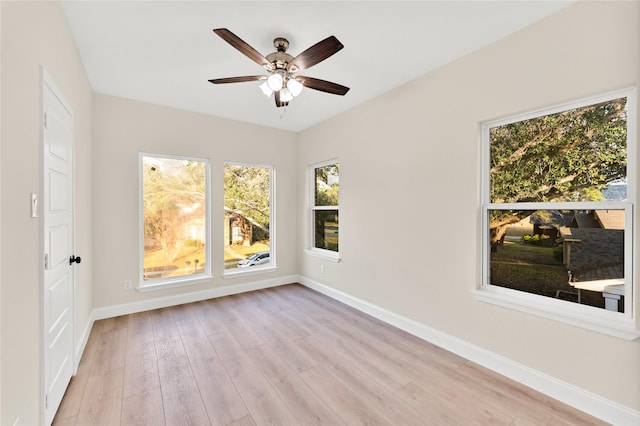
[[46, 261], [46, 401], [45, 120]]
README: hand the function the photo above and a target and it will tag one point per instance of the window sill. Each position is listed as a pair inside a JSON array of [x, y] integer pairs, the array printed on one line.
[[324, 254], [242, 272], [601, 321], [172, 283]]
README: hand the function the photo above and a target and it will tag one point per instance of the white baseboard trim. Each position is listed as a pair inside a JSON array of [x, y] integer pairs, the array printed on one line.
[[196, 296], [567, 393]]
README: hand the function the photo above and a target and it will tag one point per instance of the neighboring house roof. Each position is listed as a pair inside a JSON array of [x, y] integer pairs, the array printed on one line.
[[607, 219], [596, 253], [229, 211], [610, 219], [551, 218]]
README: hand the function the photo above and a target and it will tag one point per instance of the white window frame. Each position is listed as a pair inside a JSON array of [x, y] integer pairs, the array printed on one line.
[[163, 283], [330, 255], [608, 322], [267, 267]]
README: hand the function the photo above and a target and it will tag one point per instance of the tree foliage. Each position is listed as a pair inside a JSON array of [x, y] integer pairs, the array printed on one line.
[[327, 185], [247, 191], [567, 156], [173, 195]]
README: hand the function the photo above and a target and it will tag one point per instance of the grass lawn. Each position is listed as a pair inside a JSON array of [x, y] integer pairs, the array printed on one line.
[[183, 264], [528, 268], [179, 266], [239, 252], [534, 269]]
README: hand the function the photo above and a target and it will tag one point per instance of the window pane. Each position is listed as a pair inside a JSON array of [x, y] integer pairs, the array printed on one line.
[[327, 185], [247, 215], [326, 229], [573, 255], [568, 156], [174, 217]]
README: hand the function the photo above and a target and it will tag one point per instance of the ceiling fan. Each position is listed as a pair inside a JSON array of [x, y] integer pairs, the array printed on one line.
[[282, 82]]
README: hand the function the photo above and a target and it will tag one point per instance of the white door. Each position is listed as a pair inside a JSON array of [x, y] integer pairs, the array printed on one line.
[[57, 219]]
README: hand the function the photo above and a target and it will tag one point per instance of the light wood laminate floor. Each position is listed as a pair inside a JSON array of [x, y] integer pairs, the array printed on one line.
[[286, 356]]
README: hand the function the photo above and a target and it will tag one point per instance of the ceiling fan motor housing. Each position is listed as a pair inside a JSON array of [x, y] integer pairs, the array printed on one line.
[[280, 59]]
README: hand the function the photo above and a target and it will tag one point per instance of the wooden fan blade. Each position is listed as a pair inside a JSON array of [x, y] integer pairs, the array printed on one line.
[[323, 85], [316, 53], [243, 47], [238, 79], [279, 103]]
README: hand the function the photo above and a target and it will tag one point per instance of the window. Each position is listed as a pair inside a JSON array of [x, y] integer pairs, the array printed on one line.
[[174, 220], [325, 208], [247, 218], [557, 212]]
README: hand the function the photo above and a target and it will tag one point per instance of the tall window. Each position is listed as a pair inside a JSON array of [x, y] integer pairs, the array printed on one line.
[[558, 208], [325, 207], [247, 217], [174, 218]]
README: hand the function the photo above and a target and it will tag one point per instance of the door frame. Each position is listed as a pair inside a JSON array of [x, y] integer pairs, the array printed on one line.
[[47, 82]]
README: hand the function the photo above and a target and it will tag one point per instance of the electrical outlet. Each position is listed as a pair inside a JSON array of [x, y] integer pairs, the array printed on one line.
[[127, 284]]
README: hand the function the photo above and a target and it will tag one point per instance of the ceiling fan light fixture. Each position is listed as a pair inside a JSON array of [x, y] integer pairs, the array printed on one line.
[[285, 95], [266, 89], [294, 86], [275, 82]]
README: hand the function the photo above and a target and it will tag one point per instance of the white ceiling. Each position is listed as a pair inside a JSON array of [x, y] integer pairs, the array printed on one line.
[[163, 52]]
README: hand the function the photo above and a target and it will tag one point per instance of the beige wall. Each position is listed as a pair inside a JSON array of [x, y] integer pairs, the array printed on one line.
[[411, 154], [35, 33], [123, 128], [409, 190]]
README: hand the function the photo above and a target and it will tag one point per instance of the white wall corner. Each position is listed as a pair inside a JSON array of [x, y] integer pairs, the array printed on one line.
[[567, 393]]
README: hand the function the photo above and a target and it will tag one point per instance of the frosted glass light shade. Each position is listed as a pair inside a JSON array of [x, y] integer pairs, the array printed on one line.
[[275, 82], [294, 86], [285, 95], [266, 89]]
